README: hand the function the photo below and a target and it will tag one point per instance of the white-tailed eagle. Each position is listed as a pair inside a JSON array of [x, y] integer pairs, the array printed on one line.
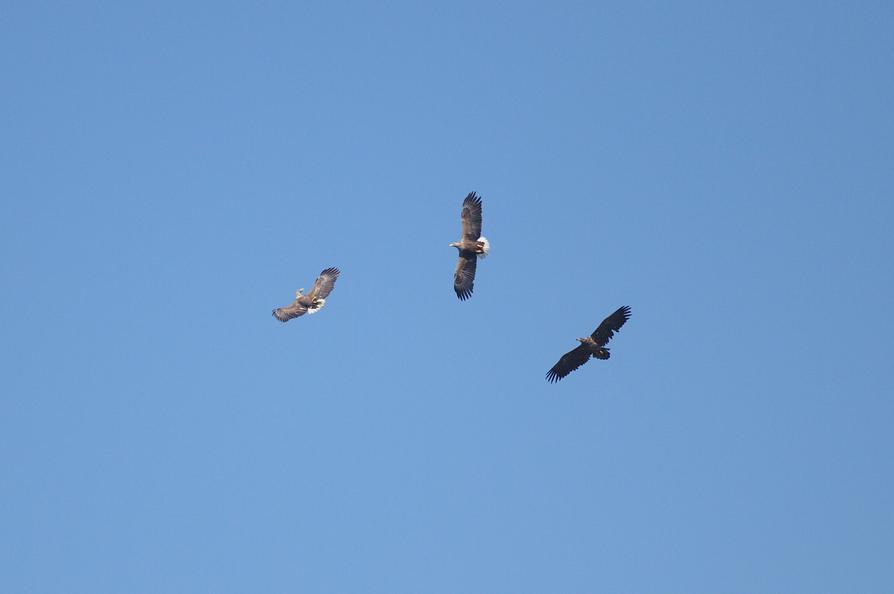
[[590, 346], [313, 301], [471, 247]]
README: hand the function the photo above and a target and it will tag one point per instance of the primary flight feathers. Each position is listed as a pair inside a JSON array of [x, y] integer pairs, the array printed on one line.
[[590, 346], [313, 301], [471, 247]]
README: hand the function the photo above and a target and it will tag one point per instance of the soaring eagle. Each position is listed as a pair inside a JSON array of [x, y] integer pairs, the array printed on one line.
[[471, 247], [313, 301], [590, 346]]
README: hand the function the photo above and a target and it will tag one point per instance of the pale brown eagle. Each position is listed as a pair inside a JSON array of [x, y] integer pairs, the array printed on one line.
[[590, 346], [313, 301], [471, 247]]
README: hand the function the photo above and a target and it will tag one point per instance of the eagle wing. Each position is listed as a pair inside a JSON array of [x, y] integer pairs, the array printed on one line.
[[610, 325], [464, 277], [471, 217], [284, 314], [325, 283], [568, 363]]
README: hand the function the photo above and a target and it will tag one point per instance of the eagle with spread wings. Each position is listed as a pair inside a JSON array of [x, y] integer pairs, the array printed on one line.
[[313, 301], [471, 247], [590, 346]]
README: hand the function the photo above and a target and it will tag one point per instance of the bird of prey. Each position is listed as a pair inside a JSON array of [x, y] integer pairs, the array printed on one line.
[[471, 247], [313, 301], [590, 346]]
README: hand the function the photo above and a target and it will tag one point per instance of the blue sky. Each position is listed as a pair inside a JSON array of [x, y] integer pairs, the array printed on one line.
[[173, 172]]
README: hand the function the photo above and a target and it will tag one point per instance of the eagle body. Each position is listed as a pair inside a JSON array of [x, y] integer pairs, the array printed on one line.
[[598, 352], [479, 248]]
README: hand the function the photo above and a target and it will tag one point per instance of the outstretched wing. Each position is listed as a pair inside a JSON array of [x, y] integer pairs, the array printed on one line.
[[325, 283], [568, 363], [471, 217], [464, 277], [284, 314], [610, 325]]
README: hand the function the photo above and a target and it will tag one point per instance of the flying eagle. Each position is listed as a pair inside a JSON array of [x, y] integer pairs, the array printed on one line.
[[590, 346], [471, 247], [313, 301]]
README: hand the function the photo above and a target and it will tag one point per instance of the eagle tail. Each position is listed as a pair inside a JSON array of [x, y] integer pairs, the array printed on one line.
[[602, 354], [485, 247], [317, 306]]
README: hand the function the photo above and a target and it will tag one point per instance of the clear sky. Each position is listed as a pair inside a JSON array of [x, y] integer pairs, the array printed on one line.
[[171, 172]]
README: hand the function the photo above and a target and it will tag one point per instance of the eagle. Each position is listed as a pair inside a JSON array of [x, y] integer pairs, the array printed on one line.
[[313, 301], [471, 247], [590, 346]]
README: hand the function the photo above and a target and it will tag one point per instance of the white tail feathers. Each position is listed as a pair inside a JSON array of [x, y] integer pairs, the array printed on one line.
[[317, 306], [486, 246]]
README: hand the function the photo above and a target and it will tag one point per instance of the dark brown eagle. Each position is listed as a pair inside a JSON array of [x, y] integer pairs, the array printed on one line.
[[313, 301], [471, 247], [590, 346]]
